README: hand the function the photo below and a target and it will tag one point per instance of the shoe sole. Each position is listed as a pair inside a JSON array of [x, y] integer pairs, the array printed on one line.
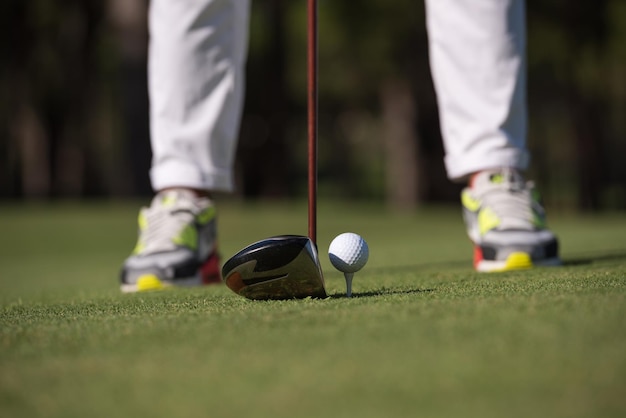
[[514, 261], [209, 273], [151, 282]]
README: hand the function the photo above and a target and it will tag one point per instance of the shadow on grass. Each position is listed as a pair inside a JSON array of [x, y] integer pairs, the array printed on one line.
[[587, 258], [382, 292], [455, 264], [576, 260], [571, 260]]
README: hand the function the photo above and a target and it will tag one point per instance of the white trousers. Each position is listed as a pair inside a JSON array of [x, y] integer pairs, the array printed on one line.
[[478, 65], [196, 75], [196, 85]]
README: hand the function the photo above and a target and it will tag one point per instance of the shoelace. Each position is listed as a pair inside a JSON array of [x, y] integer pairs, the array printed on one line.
[[164, 223], [511, 200]]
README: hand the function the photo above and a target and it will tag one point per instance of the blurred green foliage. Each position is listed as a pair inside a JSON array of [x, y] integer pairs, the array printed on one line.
[[73, 117]]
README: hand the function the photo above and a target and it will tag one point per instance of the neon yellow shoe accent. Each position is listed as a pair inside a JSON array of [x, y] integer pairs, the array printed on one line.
[[168, 200], [149, 282], [206, 216], [142, 220], [487, 220], [143, 224], [138, 248], [497, 178], [469, 202], [188, 237], [517, 261], [539, 221]]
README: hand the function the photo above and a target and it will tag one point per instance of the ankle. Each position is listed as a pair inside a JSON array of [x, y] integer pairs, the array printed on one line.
[[196, 192], [473, 176]]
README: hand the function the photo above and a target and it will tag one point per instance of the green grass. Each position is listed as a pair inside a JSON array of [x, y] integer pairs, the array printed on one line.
[[425, 336]]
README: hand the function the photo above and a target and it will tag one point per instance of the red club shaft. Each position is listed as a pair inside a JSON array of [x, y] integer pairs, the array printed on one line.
[[312, 115]]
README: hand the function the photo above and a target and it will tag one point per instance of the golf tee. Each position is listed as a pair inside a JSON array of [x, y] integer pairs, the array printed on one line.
[[348, 277]]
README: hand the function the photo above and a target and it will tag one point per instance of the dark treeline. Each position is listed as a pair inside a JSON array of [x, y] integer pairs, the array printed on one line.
[[74, 118]]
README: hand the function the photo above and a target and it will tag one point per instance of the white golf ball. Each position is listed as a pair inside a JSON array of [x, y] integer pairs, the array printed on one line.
[[348, 252]]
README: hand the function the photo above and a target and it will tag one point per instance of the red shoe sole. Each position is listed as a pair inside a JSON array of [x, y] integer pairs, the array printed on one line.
[[210, 270], [478, 256]]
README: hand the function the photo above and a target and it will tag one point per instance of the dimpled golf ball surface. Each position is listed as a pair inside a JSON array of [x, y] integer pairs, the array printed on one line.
[[348, 252]]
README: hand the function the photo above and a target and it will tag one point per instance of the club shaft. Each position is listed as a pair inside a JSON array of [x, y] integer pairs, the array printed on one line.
[[312, 115]]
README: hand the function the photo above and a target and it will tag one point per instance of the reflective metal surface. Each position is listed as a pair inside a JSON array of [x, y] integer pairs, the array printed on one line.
[[282, 267]]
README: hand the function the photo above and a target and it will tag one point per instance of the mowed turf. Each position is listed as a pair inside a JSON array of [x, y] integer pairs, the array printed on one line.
[[424, 336]]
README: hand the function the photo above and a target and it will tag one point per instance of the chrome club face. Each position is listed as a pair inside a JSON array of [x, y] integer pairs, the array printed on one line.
[[281, 267]]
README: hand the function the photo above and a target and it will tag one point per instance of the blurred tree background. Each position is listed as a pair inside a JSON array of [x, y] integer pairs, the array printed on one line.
[[74, 105]]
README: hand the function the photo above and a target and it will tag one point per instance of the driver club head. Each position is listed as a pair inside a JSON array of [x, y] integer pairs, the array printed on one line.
[[281, 267]]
